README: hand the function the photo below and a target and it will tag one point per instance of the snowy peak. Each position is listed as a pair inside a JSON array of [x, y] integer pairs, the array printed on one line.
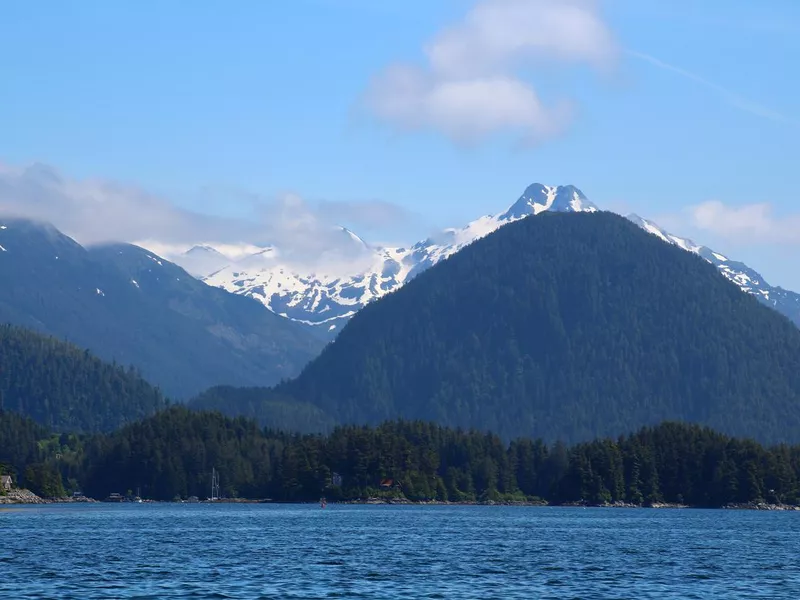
[[538, 198], [571, 199], [535, 199], [352, 238], [203, 250], [203, 259]]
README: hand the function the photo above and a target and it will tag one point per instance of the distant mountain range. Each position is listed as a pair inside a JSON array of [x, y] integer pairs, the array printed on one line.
[[565, 327], [126, 304], [325, 300]]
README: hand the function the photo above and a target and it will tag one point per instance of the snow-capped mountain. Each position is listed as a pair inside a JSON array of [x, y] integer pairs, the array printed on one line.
[[327, 297]]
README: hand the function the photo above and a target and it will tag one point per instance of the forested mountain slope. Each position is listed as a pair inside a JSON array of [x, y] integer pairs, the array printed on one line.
[[66, 388], [566, 326]]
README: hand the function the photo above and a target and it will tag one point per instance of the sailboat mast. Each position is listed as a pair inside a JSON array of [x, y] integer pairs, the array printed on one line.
[[214, 484]]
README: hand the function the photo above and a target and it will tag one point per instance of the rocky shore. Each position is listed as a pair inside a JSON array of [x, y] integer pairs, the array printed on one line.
[[21, 497], [17, 496], [761, 506]]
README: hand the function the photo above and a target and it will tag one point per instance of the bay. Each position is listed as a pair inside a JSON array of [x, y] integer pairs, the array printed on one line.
[[350, 551]]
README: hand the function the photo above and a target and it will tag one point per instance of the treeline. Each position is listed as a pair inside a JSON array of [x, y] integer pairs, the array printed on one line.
[[173, 453]]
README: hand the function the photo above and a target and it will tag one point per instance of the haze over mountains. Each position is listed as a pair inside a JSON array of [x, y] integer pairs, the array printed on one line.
[[325, 299]]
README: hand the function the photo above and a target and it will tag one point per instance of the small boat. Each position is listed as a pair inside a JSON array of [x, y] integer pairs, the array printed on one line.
[[323, 502]]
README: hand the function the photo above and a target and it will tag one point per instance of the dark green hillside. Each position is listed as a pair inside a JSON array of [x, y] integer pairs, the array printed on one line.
[[66, 388], [128, 305], [565, 326]]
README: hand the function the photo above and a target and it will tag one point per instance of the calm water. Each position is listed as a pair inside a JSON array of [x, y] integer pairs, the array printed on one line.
[[262, 551]]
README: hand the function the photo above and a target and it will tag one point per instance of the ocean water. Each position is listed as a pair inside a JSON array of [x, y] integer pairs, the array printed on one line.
[[285, 551]]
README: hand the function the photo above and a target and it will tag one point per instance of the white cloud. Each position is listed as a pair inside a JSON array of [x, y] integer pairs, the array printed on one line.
[[97, 211], [746, 224], [500, 34], [471, 85], [466, 110]]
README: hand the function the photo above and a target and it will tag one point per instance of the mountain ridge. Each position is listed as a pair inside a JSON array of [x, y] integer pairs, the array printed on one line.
[[327, 300]]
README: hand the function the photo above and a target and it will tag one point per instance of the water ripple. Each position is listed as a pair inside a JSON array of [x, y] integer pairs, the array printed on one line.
[[262, 551]]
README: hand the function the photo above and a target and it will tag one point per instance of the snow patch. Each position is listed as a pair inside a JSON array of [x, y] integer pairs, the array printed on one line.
[[551, 198], [650, 228]]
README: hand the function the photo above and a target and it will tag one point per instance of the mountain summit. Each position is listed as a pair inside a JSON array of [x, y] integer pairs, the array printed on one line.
[[539, 198]]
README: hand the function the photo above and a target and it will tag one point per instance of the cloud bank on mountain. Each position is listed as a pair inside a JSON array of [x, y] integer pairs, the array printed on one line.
[[94, 211]]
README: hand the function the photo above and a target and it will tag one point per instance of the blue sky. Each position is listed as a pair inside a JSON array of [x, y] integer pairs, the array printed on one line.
[[683, 111]]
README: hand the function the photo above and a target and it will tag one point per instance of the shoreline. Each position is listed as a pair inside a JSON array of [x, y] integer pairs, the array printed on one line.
[[18, 496], [26, 497]]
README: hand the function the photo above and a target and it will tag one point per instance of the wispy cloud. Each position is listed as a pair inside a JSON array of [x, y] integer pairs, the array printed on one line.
[[730, 97], [98, 211], [471, 85]]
